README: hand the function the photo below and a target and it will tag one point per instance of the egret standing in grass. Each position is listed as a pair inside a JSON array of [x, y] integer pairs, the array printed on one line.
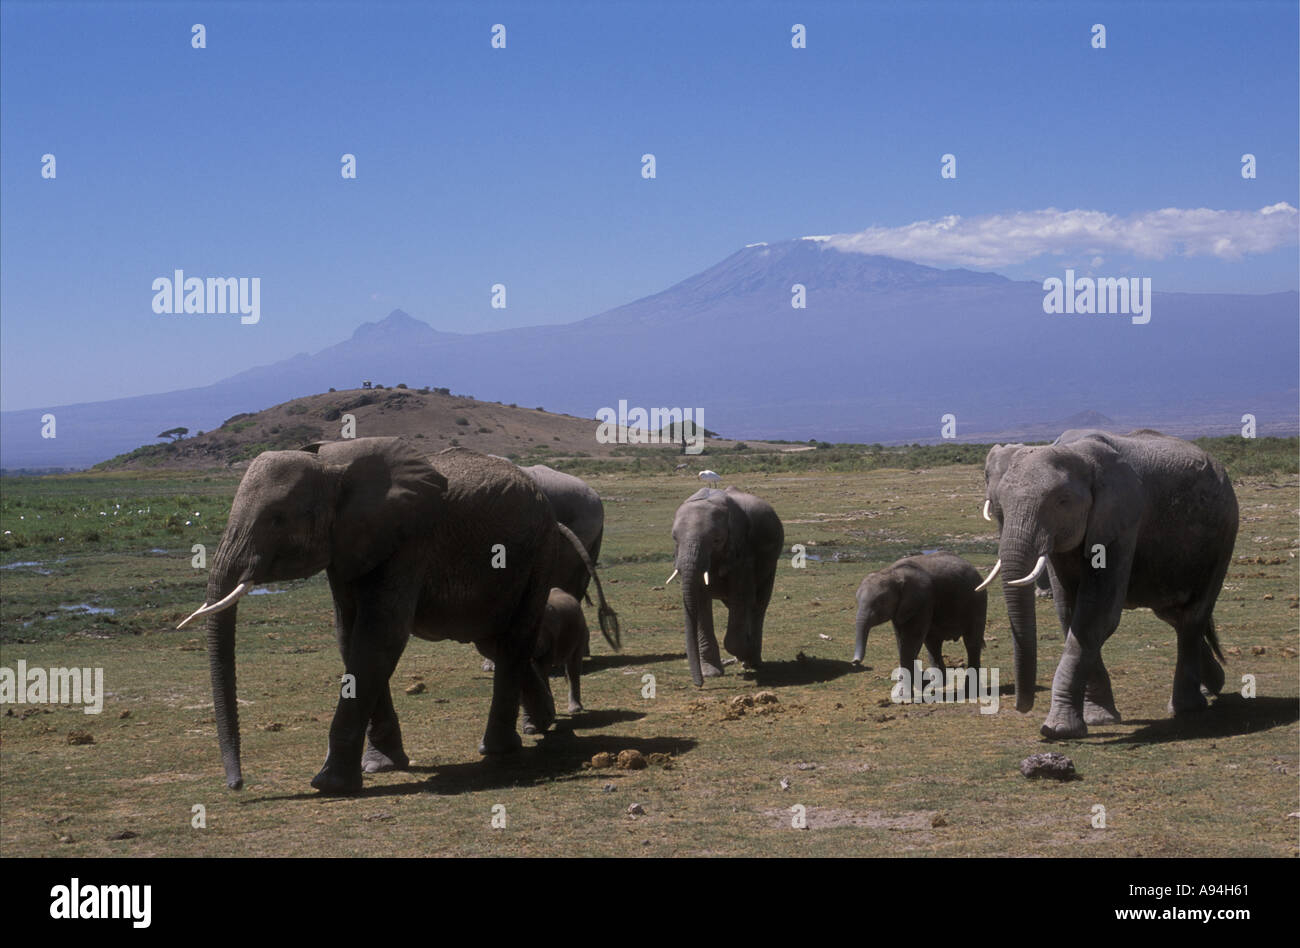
[[710, 476]]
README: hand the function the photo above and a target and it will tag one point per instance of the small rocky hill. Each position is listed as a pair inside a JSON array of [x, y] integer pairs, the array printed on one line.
[[431, 418]]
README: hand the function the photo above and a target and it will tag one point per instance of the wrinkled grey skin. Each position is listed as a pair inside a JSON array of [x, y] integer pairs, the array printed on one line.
[[559, 647], [1166, 516], [737, 539], [407, 543], [930, 599]]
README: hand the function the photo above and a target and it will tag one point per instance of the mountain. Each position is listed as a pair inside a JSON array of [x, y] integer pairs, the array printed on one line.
[[882, 351]]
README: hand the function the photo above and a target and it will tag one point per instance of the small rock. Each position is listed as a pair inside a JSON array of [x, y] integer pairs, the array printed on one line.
[[1054, 765], [80, 737], [785, 783], [1258, 650], [273, 726], [636, 809], [821, 635], [1289, 652], [125, 834], [416, 689], [608, 788], [124, 715], [65, 839], [806, 766], [603, 759], [631, 760], [937, 820]]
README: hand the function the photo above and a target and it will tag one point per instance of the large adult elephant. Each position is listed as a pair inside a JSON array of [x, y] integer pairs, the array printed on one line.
[[456, 546], [727, 544], [1125, 520]]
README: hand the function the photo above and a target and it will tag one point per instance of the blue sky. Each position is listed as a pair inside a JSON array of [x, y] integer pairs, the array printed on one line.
[[522, 166]]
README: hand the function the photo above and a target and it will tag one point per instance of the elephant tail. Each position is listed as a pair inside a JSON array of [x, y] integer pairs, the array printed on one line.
[[1213, 638], [609, 626]]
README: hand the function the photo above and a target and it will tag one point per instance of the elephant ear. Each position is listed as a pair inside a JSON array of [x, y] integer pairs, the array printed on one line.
[[385, 496], [1115, 515]]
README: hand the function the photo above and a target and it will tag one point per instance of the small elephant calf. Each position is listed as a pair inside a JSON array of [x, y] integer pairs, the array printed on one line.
[[930, 599], [560, 643]]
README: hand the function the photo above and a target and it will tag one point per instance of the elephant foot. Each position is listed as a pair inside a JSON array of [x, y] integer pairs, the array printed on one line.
[[375, 761], [531, 727], [710, 671], [491, 746], [332, 783], [575, 707], [1211, 677], [1097, 714], [1188, 704], [1064, 724]]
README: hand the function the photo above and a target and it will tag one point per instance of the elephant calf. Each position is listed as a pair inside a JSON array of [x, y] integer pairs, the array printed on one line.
[[930, 599], [559, 645]]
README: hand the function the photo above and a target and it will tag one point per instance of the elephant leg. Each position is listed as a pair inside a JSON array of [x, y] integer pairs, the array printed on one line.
[[934, 648], [371, 652], [384, 738], [1211, 671], [539, 710], [707, 642], [739, 623], [763, 598], [1065, 719], [909, 638], [1098, 699], [1188, 669], [573, 672]]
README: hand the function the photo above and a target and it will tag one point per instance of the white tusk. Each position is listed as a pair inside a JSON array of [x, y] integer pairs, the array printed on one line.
[[986, 509], [1038, 568], [670, 578], [988, 579], [706, 577], [235, 594]]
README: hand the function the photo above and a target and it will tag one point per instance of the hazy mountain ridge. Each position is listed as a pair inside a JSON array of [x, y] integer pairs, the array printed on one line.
[[883, 350]]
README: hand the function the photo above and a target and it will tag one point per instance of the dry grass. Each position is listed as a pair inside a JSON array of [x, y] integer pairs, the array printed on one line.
[[876, 779]]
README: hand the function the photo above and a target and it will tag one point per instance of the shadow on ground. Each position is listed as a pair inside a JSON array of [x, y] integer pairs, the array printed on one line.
[[601, 662], [1228, 716], [557, 756]]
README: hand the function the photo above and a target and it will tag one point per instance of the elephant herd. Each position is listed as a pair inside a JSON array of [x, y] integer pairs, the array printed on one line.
[[470, 547]]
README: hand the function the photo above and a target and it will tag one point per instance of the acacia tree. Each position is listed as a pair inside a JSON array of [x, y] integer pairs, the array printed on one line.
[[175, 434]]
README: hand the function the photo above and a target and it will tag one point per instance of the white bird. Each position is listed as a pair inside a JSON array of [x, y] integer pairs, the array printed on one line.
[[710, 476]]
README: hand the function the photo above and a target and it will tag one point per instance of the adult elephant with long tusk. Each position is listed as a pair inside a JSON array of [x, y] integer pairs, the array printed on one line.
[[457, 546], [1124, 520], [727, 544]]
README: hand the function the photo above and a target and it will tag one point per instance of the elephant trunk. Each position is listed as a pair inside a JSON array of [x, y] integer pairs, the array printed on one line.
[[227, 573], [698, 608], [863, 627], [1019, 553]]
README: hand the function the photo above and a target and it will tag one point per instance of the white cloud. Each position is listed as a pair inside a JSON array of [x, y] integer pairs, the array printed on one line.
[[992, 240]]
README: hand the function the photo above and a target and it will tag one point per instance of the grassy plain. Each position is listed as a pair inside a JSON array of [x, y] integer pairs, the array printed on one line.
[[876, 778]]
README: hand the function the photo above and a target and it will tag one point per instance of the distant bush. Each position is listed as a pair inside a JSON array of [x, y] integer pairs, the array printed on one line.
[[331, 388], [332, 414], [297, 408], [442, 391], [462, 420], [741, 446], [401, 385], [489, 431]]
